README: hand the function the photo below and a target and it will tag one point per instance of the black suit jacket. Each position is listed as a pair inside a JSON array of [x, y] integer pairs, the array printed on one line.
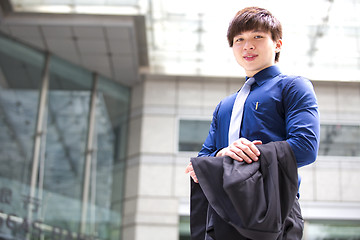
[[236, 200]]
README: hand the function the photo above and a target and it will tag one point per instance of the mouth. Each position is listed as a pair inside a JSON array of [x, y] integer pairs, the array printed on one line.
[[250, 57]]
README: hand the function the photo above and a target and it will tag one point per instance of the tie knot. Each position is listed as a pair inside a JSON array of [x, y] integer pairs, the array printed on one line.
[[250, 81]]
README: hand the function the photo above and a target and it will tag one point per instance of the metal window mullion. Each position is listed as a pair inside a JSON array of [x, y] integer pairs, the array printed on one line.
[[89, 154], [39, 131], [93, 184]]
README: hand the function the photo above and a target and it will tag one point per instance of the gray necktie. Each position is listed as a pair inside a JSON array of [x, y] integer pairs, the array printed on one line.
[[237, 111]]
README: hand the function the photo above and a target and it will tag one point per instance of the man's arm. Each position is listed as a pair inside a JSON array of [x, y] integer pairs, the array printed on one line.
[[302, 120], [209, 147]]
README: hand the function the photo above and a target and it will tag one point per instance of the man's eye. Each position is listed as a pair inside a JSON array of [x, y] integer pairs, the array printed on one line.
[[239, 39], [258, 36]]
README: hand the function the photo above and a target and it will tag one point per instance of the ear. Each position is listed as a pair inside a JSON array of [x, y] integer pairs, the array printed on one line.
[[278, 45]]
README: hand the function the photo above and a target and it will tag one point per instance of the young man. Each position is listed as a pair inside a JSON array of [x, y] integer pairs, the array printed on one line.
[[278, 108]]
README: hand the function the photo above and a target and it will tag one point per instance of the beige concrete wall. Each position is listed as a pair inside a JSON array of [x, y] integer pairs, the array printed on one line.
[[330, 186]]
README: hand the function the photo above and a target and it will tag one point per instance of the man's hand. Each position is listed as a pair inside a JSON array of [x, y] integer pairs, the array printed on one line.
[[190, 169], [242, 150]]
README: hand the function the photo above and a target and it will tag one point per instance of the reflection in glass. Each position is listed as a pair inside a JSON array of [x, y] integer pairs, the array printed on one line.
[[55, 210], [184, 228], [339, 140], [111, 130], [20, 77], [192, 134], [332, 230]]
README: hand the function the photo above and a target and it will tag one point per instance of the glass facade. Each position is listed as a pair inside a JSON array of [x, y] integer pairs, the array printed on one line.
[[62, 151]]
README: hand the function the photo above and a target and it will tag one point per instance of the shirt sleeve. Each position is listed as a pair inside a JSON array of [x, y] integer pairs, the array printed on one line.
[[302, 120], [209, 146]]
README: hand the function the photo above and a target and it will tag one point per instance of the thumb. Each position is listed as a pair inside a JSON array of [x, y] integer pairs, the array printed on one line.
[[257, 142]]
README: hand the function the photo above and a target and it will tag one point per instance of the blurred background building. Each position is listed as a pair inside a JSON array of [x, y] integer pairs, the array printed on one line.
[[103, 102]]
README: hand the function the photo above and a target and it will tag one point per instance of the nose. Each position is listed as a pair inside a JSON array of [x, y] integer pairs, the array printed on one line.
[[248, 45]]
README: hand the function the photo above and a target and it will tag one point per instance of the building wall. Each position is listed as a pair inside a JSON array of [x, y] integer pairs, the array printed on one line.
[[157, 189], [329, 187]]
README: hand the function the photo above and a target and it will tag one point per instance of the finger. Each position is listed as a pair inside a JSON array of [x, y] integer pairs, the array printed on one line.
[[246, 158], [234, 152], [257, 142], [254, 150], [251, 148], [248, 153], [193, 176], [189, 168], [239, 156]]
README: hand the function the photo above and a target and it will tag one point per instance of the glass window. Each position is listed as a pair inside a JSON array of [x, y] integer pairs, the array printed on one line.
[[65, 144], [339, 140], [192, 134], [110, 138], [20, 79], [84, 121], [332, 230], [184, 228]]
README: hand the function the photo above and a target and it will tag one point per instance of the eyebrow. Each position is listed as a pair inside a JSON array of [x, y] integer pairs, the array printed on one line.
[[253, 31]]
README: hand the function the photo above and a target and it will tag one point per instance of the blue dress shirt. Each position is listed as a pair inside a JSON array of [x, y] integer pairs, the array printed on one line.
[[279, 107]]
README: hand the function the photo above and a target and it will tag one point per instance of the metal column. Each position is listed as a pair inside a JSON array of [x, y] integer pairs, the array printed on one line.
[[88, 155], [39, 129]]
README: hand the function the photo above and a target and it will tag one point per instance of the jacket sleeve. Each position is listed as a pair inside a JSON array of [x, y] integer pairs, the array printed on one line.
[[198, 205]]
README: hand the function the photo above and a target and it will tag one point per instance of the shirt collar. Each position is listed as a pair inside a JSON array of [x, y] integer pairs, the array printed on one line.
[[266, 74]]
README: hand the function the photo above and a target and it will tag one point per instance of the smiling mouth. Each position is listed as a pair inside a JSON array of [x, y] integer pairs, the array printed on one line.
[[250, 57]]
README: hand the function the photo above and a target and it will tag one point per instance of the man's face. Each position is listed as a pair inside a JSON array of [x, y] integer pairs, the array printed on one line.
[[255, 50]]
